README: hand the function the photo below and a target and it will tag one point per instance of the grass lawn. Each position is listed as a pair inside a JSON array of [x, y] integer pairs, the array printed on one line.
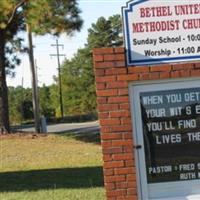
[[51, 167]]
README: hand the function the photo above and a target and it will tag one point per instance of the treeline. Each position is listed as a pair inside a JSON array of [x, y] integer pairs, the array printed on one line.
[[78, 87], [21, 107]]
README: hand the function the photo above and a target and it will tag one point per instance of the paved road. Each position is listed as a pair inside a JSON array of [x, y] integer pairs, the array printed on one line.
[[64, 127]]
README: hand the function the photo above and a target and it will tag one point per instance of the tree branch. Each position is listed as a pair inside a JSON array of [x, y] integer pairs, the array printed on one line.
[[15, 10]]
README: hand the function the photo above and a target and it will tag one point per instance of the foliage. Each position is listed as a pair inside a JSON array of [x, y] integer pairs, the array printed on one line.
[[78, 86], [45, 102], [16, 14], [15, 96], [39, 14], [21, 107], [20, 103], [54, 95], [105, 33], [77, 74], [42, 17]]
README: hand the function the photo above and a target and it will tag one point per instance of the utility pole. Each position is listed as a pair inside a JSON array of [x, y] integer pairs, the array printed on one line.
[[34, 84], [22, 98], [57, 45]]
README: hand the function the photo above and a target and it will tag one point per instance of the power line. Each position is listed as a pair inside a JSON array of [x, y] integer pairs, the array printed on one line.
[[58, 55]]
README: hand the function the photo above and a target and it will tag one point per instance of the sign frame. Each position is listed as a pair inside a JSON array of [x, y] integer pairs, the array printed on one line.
[[130, 61], [159, 189]]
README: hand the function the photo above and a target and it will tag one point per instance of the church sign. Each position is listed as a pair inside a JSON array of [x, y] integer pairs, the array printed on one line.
[[167, 129], [157, 32]]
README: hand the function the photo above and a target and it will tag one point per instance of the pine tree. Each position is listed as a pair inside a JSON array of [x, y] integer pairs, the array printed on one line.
[[105, 33], [78, 77], [43, 16]]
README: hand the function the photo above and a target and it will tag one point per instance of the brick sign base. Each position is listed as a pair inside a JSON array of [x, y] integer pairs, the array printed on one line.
[[112, 80]]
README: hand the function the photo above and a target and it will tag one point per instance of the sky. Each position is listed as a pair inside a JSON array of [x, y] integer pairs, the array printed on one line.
[[47, 65]]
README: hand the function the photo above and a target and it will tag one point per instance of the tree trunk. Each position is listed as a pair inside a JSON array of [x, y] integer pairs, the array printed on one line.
[[4, 111]]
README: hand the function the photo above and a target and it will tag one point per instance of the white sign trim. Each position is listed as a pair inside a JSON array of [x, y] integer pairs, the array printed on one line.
[[181, 51], [175, 189]]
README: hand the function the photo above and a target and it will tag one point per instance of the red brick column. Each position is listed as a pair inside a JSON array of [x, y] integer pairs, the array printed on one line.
[[112, 79]]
